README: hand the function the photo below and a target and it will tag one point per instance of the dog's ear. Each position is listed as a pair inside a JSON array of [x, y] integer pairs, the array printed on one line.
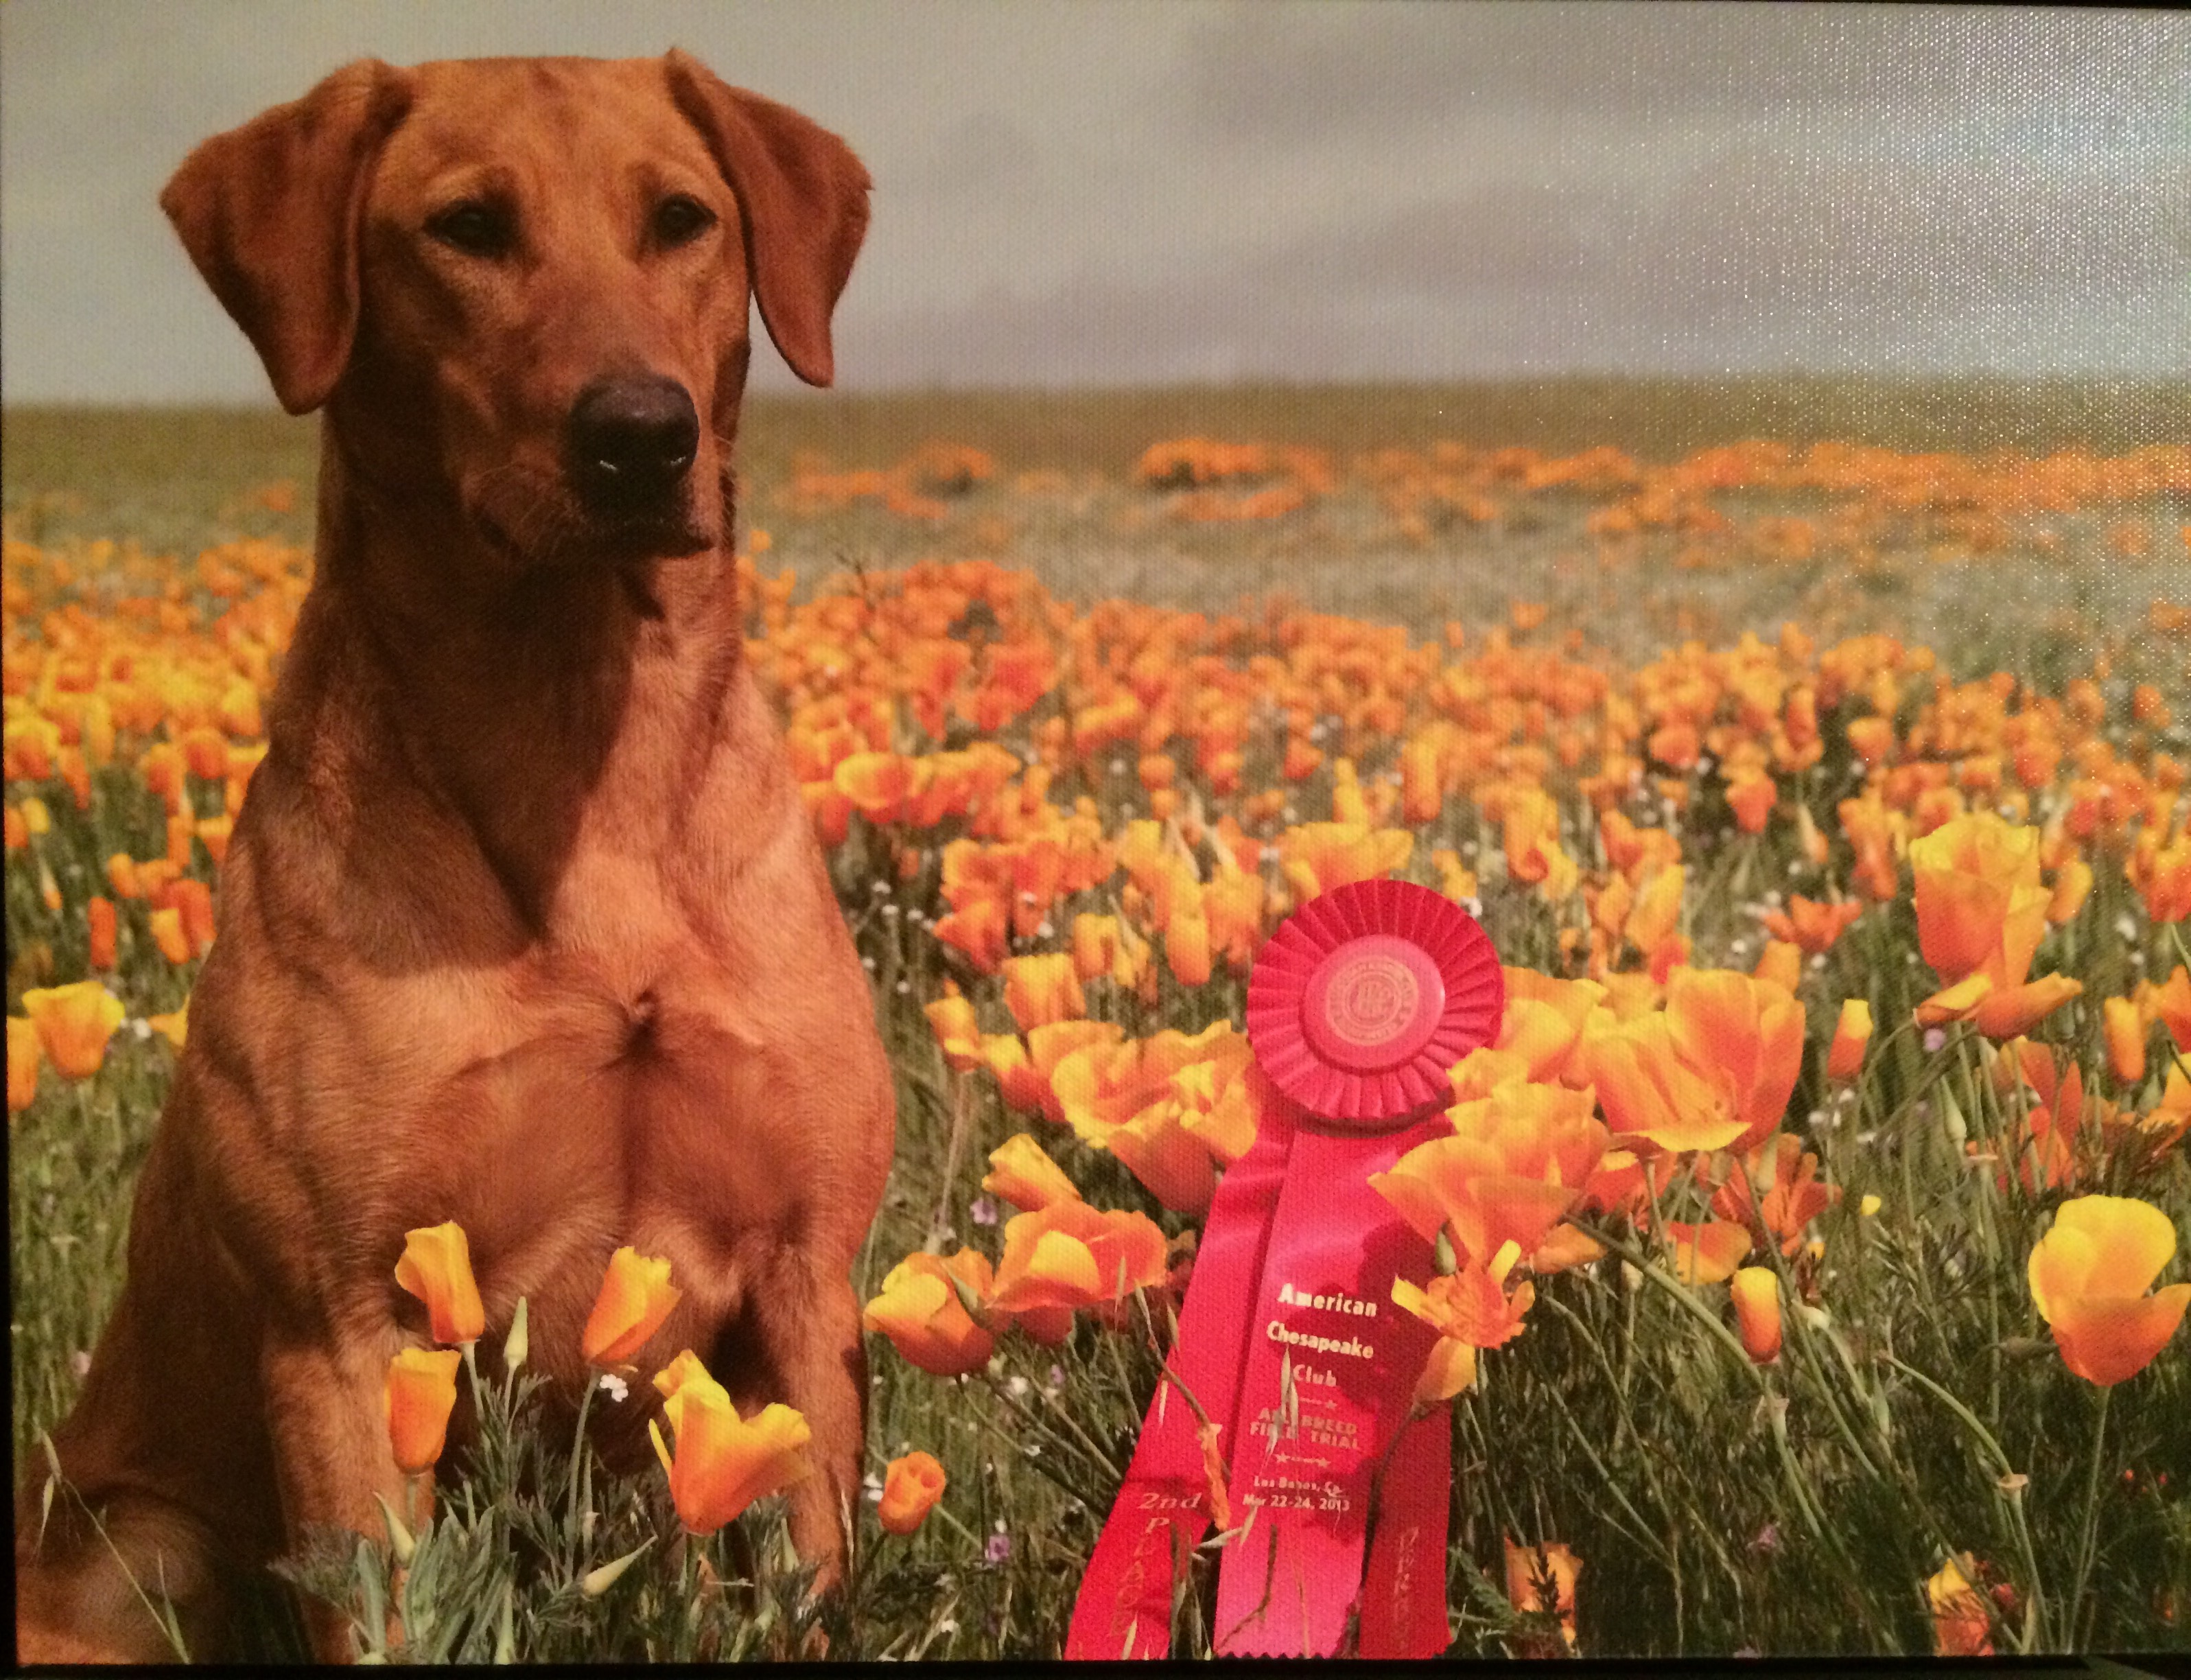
[[270, 212], [804, 196]]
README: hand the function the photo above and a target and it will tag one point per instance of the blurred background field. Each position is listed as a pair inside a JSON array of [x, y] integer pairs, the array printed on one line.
[[182, 479]]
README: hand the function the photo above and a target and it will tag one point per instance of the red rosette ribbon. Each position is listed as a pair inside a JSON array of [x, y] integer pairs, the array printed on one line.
[[1364, 997], [1358, 1007]]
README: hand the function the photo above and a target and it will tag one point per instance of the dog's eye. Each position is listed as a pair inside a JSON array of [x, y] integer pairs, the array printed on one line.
[[478, 229], [679, 219]]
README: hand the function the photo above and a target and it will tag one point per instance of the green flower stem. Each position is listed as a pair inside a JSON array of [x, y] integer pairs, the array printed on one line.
[[1967, 1056], [577, 1451], [1075, 1438], [1043, 1466], [1802, 1338], [1642, 1532], [2089, 1539], [2034, 1622], [1798, 1483]]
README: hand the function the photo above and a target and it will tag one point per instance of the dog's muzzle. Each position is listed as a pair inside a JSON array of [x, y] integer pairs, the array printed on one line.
[[630, 444]]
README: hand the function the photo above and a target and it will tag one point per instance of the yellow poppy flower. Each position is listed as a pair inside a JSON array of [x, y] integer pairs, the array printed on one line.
[[635, 1296]]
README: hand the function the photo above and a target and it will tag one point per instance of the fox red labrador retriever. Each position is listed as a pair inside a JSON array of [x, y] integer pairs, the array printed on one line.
[[523, 924]]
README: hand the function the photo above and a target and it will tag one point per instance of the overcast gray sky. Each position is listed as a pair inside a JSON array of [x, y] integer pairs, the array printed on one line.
[[1108, 192]]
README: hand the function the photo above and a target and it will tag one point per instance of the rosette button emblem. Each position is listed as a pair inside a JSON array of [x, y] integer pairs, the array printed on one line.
[[1366, 995]]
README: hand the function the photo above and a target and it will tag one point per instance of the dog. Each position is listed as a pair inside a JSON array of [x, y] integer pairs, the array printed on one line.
[[523, 924]]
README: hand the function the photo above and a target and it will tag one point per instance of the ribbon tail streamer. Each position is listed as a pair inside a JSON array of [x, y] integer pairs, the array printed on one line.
[[1162, 1510]]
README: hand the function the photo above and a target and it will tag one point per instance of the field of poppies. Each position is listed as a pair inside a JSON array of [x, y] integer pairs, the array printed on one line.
[[1804, 1255]]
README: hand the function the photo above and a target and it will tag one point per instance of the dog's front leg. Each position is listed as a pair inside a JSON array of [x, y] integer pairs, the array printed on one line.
[[331, 1453], [807, 1323]]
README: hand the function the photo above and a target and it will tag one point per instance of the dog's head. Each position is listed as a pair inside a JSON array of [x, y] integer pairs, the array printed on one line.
[[524, 283]]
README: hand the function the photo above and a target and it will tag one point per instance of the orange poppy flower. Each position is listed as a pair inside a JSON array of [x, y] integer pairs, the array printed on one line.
[[1465, 1185], [22, 1058], [1169, 1159], [1095, 946], [1648, 1089], [1469, 1309], [1042, 989], [1961, 1624], [417, 1399], [436, 1268], [1022, 1088], [1980, 906], [1048, 1046], [2089, 1275], [1530, 831], [635, 1296], [1653, 921], [1543, 1019], [1541, 1580], [1851, 1035], [911, 1486], [1024, 1174], [172, 1027], [2172, 1004], [978, 927], [1318, 857], [1786, 1203], [1756, 1293], [2125, 1029], [194, 898], [1186, 936], [958, 1031], [167, 924], [921, 1312], [2010, 1013], [73, 1023], [1069, 1254], [724, 1463], [1814, 927], [1752, 798], [99, 931], [1707, 1253], [121, 876], [1782, 964], [2073, 885]]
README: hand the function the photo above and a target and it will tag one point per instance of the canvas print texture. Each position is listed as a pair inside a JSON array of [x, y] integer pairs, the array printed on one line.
[[1517, 829]]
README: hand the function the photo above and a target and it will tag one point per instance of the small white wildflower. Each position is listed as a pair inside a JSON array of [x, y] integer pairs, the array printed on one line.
[[140, 1028], [1043, 930], [868, 963], [1018, 1387], [614, 1387]]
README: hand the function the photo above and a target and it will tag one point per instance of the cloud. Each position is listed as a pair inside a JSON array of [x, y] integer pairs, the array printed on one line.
[[1752, 259], [1312, 74]]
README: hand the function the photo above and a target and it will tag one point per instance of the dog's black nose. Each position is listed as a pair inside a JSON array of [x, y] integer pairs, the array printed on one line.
[[631, 440]]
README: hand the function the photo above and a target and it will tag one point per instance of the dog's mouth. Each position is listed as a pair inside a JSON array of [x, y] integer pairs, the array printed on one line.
[[573, 540]]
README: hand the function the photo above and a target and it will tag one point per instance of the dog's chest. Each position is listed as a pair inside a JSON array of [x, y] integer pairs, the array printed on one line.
[[630, 1003]]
